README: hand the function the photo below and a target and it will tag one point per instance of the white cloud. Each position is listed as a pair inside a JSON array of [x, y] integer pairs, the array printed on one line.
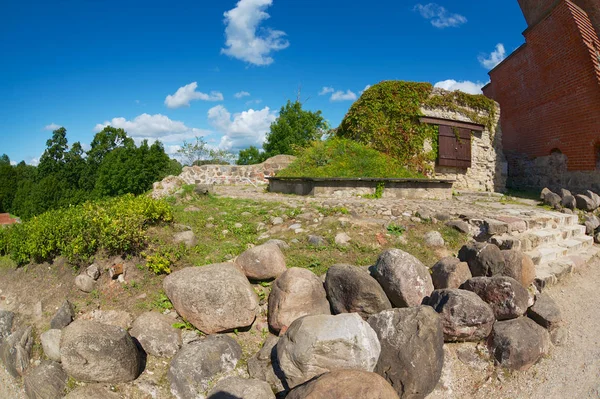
[[241, 94], [33, 161], [464, 86], [365, 89], [13, 163], [52, 126], [496, 57], [255, 101], [341, 96], [439, 16], [187, 93], [241, 130], [154, 127], [244, 39], [326, 90]]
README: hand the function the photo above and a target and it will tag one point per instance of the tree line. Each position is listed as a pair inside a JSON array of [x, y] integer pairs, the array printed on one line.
[[68, 175]]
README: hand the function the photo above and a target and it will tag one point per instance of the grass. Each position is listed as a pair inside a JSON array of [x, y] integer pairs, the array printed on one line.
[[338, 157], [7, 262]]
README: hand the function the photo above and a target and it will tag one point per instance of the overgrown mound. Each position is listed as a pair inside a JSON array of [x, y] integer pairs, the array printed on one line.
[[338, 157], [386, 118], [116, 225]]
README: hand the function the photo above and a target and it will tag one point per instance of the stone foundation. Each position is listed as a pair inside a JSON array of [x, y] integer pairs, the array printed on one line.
[[550, 171]]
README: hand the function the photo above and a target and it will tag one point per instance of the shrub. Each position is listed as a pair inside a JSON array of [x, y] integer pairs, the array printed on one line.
[[116, 225], [337, 157]]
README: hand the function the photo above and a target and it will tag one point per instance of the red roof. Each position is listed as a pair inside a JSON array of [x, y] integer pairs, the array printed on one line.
[[6, 219]]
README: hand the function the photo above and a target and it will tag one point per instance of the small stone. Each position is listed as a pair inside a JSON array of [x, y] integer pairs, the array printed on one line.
[[342, 239], [276, 221], [317, 241], [188, 238], [295, 226], [280, 243], [51, 344], [433, 239], [115, 271], [238, 225], [553, 200], [459, 225], [569, 202], [6, 323], [93, 271], [85, 283], [63, 317]]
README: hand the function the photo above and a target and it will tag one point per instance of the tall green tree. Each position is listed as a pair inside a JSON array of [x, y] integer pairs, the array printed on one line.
[[53, 158], [250, 156], [295, 127], [8, 184]]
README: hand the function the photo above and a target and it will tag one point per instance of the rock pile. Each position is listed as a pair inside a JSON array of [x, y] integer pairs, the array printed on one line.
[[588, 203]]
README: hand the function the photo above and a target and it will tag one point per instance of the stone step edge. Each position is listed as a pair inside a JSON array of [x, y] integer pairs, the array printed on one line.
[[550, 273]]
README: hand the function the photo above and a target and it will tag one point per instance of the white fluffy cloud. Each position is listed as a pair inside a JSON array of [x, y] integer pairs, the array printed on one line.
[[365, 89], [52, 126], [243, 38], [343, 96], [497, 56], [326, 90], [241, 94], [154, 127], [187, 93], [439, 16], [241, 130], [464, 86], [13, 163]]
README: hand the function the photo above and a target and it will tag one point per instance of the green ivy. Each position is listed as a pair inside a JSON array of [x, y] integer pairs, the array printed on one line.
[[386, 118]]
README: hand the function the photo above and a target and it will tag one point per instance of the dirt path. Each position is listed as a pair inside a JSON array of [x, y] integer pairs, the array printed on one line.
[[572, 371]]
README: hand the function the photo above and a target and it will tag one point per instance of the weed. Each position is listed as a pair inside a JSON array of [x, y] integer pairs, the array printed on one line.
[[396, 229], [162, 302], [378, 192]]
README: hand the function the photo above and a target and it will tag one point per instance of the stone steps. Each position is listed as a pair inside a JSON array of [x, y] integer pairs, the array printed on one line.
[[550, 273]]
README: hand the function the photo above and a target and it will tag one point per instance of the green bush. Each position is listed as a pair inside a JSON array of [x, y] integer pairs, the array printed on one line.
[[337, 157], [116, 225]]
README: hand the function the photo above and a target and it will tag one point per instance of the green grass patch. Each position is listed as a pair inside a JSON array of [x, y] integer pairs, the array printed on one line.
[[337, 157]]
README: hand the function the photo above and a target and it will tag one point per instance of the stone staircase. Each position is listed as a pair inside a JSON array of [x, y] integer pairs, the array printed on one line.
[[556, 242]]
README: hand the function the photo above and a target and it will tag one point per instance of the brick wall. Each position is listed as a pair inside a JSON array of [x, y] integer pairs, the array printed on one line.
[[549, 89]]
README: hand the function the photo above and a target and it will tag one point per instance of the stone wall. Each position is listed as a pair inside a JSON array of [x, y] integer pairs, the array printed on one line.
[[223, 174], [488, 165], [549, 171]]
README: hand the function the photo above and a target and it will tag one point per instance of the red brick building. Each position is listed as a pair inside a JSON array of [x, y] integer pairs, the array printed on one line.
[[549, 88]]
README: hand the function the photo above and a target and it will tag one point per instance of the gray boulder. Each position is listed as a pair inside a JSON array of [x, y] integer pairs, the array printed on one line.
[[264, 365], [296, 293], [198, 362], [214, 298], [236, 387], [51, 344], [465, 317], [188, 238], [204, 189], [519, 266], [594, 197], [15, 351], [342, 239], [484, 259], [280, 243], [345, 384], [412, 349], [47, 381], [545, 191], [317, 241], [459, 225], [585, 203], [93, 271], [92, 392], [6, 323], [63, 317], [517, 344], [314, 345], [553, 200], [349, 289], [564, 192], [545, 312], [569, 202], [433, 239], [263, 262], [95, 352], [85, 283], [450, 272], [591, 222], [507, 297], [405, 280], [155, 332]]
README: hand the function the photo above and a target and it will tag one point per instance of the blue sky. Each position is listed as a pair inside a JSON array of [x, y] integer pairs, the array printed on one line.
[[222, 69]]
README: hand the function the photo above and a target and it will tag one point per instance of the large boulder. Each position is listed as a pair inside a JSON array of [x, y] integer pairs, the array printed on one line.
[[545, 191], [592, 222], [507, 297], [296, 293], [594, 197], [264, 365], [214, 298], [47, 381], [450, 272], [15, 351], [545, 312], [484, 259], [519, 266], [95, 352], [519, 343], [585, 203], [569, 201], [236, 387], [51, 344], [263, 262], [63, 317], [412, 349], [345, 384], [155, 332], [198, 362], [552, 199], [405, 280], [6, 323], [314, 345], [465, 316], [350, 289]]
